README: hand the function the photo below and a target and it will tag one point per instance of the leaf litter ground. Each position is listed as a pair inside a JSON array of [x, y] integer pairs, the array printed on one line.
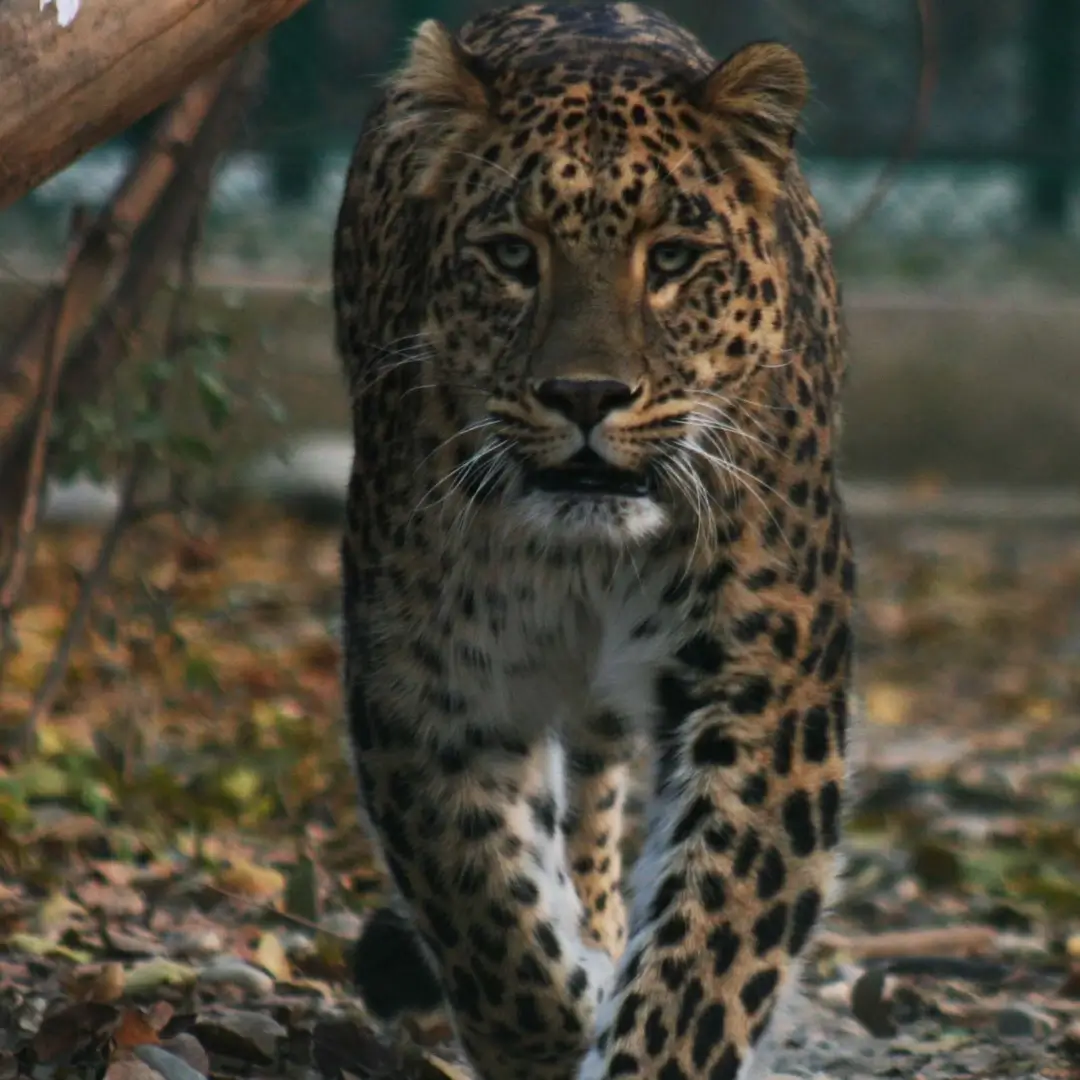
[[182, 874]]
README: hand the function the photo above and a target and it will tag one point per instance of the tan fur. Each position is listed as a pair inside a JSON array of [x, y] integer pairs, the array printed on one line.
[[453, 105], [759, 93]]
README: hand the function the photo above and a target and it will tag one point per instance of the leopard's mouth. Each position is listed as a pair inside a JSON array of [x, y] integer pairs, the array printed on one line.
[[586, 473]]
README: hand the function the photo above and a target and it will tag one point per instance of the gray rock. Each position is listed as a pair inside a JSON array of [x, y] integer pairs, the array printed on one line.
[[80, 502]]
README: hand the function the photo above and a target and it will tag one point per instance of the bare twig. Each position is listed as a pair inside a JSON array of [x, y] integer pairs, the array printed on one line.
[[98, 355], [103, 244], [127, 514], [181, 213], [927, 83], [947, 941], [33, 481]]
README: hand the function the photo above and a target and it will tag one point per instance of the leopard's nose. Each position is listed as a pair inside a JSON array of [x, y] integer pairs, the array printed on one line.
[[585, 401]]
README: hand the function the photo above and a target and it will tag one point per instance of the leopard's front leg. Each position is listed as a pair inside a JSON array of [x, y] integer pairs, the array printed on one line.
[[599, 753], [468, 815], [393, 970], [744, 823], [473, 846]]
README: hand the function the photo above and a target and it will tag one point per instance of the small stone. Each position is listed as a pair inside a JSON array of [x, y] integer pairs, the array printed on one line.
[[871, 1006], [249, 1036], [298, 945], [343, 924], [344, 1039], [186, 1047], [166, 1064], [195, 943], [1070, 1042], [232, 972], [1021, 1022]]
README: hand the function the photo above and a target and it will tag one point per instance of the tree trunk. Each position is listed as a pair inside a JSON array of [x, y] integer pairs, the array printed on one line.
[[67, 88]]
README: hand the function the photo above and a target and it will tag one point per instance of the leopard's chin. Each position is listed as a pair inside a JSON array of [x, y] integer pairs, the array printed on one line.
[[590, 516]]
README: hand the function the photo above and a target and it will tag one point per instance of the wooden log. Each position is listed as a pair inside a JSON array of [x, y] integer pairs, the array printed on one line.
[[67, 88]]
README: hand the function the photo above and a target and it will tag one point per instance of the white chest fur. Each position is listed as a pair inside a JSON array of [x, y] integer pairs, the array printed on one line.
[[546, 646]]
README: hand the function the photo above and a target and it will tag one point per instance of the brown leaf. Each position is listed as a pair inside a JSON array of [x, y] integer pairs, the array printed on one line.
[[115, 901], [947, 941], [441, 1069], [98, 982], [69, 829], [73, 1028], [134, 1030]]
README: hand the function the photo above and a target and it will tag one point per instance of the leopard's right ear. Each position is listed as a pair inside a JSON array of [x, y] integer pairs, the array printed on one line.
[[446, 95]]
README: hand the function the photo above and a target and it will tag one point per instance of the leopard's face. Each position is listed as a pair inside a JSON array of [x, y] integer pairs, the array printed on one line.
[[601, 294]]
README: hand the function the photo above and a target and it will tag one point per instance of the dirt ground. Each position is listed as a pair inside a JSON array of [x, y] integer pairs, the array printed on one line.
[[181, 873]]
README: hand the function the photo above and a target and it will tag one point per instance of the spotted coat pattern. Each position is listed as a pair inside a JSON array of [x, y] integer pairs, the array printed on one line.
[[558, 196]]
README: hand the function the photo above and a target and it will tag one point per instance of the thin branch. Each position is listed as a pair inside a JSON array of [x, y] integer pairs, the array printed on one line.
[[33, 480], [946, 941], [929, 64], [103, 244], [127, 515], [98, 355], [181, 214]]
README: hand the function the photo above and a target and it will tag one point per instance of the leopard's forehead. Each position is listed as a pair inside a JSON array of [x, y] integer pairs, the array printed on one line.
[[609, 147]]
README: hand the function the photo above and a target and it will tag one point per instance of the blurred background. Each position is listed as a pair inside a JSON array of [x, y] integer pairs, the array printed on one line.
[[942, 141]]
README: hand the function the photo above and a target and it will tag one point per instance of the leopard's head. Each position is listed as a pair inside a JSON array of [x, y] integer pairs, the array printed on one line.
[[603, 288]]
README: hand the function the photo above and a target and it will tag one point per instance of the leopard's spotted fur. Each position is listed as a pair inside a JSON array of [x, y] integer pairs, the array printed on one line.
[[593, 342]]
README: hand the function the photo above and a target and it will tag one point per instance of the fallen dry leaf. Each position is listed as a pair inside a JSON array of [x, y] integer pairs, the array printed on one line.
[[134, 1030], [199, 745], [261, 883], [97, 982], [156, 974], [270, 954]]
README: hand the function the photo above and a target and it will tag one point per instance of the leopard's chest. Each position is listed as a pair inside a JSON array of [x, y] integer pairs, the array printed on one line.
[[550, 647]]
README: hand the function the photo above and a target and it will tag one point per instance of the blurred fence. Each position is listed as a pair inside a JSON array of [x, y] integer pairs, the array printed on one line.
[[995, 161], [1005, 70], [960, 283]]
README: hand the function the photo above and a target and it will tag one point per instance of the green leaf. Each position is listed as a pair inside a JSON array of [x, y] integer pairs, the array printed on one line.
[[200, 674], [193, 450], [216, 399], [272, 407]]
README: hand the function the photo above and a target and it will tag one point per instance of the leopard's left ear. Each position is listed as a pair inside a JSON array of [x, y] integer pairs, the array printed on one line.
[[758, 94], [446, 98]]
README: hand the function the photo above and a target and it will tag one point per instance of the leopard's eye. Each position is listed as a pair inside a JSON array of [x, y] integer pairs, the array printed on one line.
[[515, 256], [671, 258]]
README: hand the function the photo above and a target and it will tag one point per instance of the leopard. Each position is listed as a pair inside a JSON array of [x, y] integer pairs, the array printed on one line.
[[594, 346]]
